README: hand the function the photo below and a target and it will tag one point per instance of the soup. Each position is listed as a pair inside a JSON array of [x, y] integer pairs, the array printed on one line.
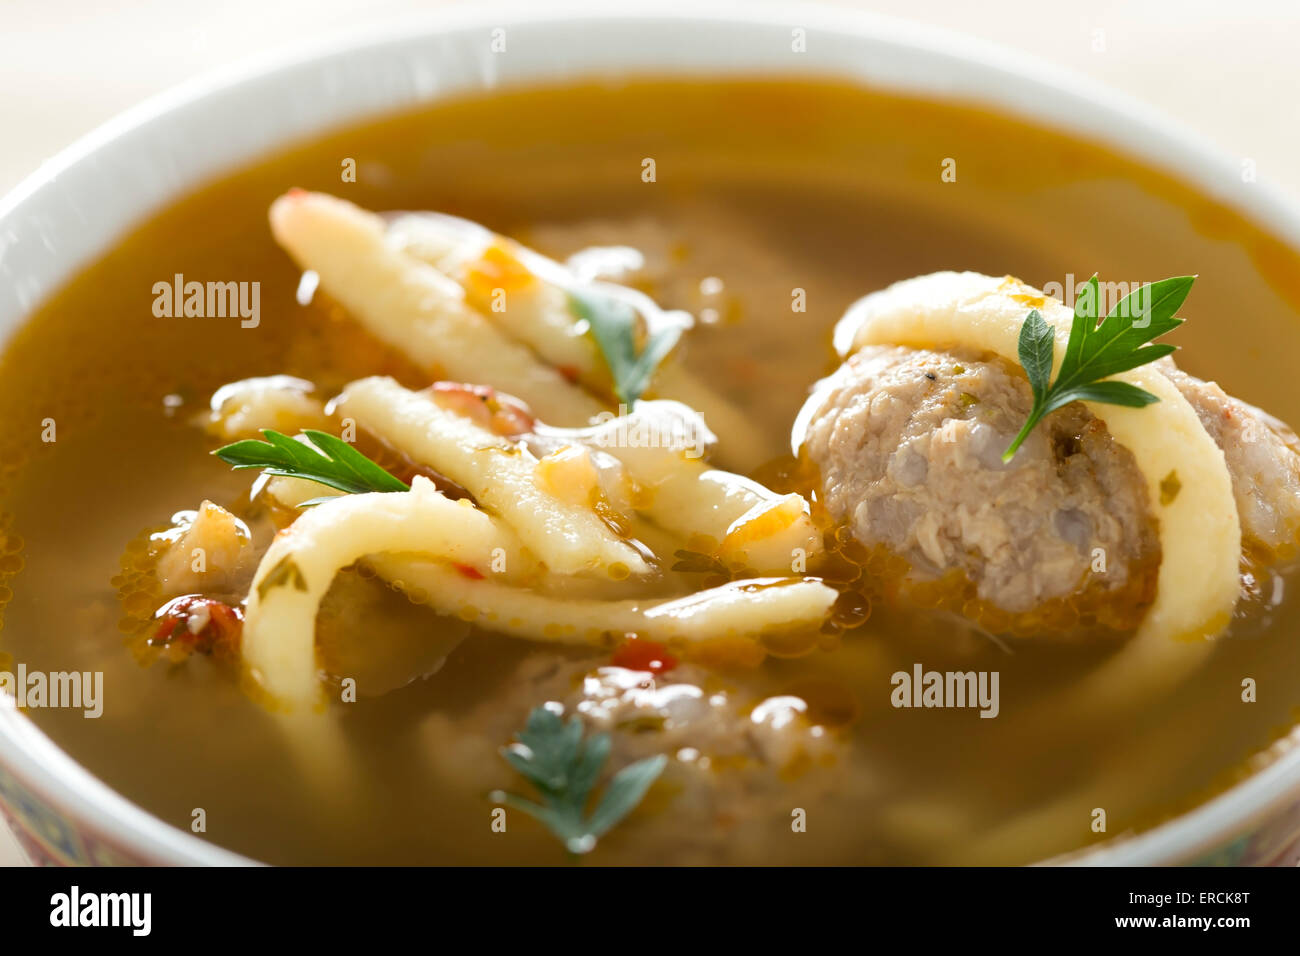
[[763, 208]]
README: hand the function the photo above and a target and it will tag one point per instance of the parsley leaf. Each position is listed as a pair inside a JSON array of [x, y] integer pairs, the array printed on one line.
[[564, 767], [327, 460], [1097, 351], [614, 325]]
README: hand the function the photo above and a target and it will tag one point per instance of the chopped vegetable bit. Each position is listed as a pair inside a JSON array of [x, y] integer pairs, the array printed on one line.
[[285, 574], [496, 268], [469, 571], [1169, 488], [642, 655], [485, 406], [697, 562], [200, 625]]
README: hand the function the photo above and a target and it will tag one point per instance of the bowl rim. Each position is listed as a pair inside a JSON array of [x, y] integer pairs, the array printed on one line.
[[905, 57]]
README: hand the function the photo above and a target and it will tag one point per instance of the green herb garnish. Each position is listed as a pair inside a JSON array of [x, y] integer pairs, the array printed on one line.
[[1169, 488], [1097, 351], [327, 460], [285, 574], [615, 326], [696, 562], [564, 767]]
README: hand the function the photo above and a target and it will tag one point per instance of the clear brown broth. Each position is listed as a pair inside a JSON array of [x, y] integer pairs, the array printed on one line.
[[841, 188]]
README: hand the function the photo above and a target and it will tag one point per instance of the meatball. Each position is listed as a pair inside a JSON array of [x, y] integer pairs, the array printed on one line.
[[907, 445], [909, 448], [737, 765], [1263, 456]]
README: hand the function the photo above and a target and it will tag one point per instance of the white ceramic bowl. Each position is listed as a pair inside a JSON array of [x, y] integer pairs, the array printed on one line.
[[78, 204]]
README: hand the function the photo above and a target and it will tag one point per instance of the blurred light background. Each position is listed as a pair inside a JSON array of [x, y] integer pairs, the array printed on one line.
[[1226, 70]]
